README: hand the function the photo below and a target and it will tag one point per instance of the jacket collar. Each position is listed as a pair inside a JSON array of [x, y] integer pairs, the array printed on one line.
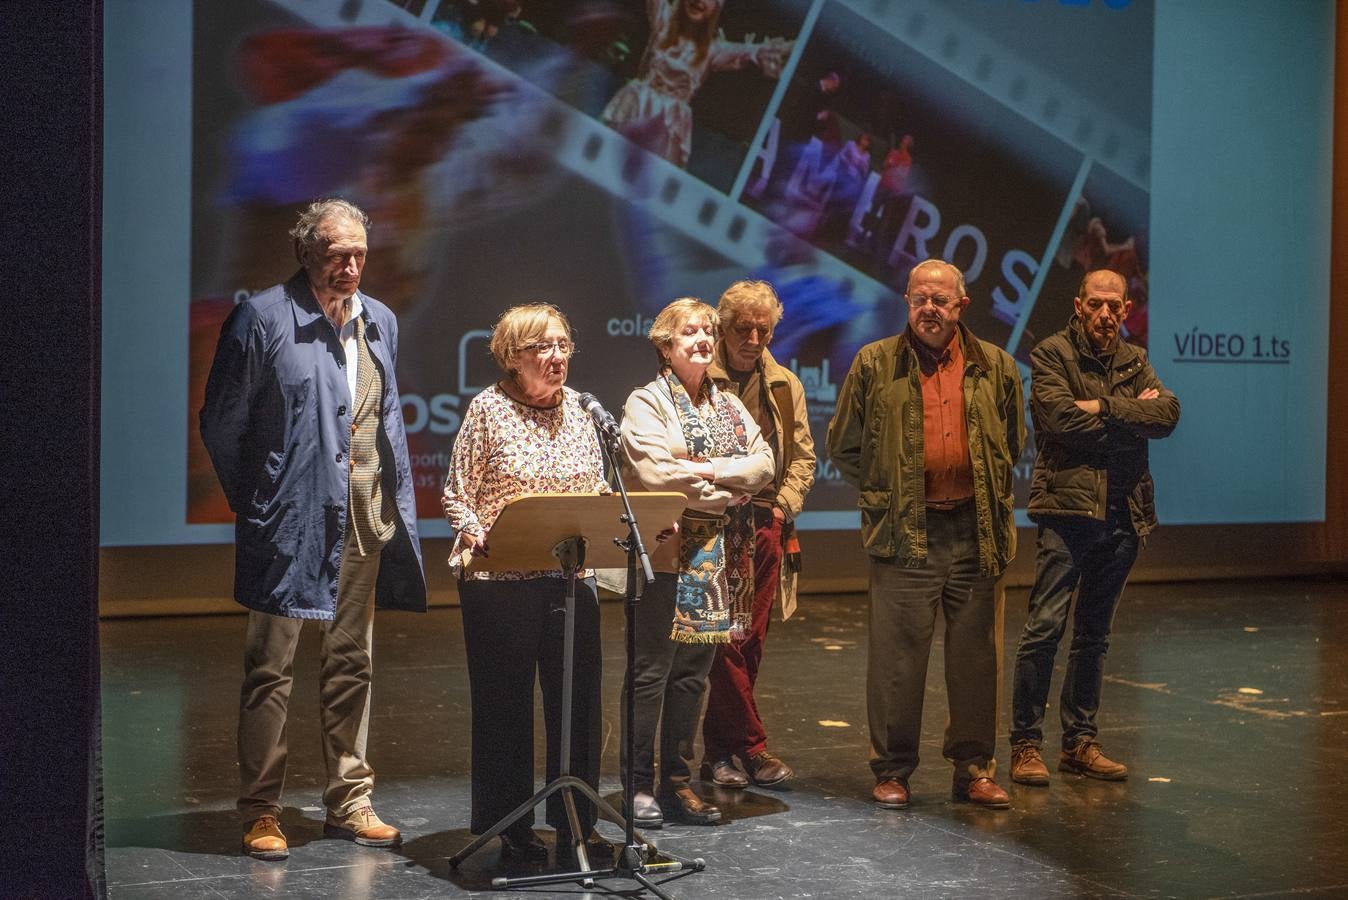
[[306, 306], [973, 349], [771, 369], [1119, 356]]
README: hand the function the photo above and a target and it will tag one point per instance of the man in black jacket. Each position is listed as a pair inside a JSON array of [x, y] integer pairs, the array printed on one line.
[[1095, 401]]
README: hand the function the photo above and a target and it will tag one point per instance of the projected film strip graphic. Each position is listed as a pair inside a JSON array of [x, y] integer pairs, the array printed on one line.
[[724, 222], [721, 221]]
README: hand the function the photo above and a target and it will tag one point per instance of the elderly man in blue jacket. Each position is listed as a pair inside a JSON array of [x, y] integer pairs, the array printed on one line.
[[304, 427]]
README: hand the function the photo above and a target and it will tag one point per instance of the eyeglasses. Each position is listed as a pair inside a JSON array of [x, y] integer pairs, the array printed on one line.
[[1093, 305], [940, 301], [547, 348], [744, 329]]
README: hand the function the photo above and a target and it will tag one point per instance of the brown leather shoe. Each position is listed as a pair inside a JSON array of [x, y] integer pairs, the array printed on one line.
[[599, 853], [264, 840], [723, 774], [1027, 765], [1088, 758], [766, 770], [690, 809], [362, 826], [891, 793], [982, 791]]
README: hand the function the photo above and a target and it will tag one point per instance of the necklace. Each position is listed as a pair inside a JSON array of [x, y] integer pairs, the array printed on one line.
[[515, 391]]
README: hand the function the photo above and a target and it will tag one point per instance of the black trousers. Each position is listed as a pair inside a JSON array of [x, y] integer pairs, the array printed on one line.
[[670, 679], [512, 630]]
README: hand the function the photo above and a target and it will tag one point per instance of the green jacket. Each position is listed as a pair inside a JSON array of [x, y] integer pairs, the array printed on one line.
[[1084, 458], [875, 440]]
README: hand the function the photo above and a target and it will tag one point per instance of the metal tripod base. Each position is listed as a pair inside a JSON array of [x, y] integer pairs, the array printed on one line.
[[639, 872], [566, 783], [631, 865], [631, 862]]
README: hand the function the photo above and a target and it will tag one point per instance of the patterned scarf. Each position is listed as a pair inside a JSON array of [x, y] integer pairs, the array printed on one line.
[[714, 596]]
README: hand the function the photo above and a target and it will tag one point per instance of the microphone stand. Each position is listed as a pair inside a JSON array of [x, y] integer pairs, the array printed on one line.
[[632, 862]]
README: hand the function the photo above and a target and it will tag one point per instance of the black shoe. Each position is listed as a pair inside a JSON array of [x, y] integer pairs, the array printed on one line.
[[646, 812], [523, 847], [690, 809]]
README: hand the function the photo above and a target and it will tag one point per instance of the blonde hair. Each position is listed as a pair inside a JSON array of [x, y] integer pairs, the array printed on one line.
[[673, 317], [749, 295], [522, 324]]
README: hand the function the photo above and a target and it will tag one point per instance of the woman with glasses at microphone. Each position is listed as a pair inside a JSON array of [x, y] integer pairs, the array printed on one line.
[[525, 434], [681, 433]]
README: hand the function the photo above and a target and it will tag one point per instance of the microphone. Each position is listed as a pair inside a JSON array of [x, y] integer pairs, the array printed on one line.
[[602, 420]]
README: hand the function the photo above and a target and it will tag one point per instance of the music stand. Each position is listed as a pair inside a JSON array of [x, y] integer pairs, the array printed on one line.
[[535, 532]]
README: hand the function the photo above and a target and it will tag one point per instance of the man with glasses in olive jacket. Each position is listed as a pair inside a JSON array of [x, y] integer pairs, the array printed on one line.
[[929, 425], [1096, 402]]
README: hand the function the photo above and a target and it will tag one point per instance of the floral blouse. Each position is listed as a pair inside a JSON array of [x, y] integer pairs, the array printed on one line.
[[506, 449]]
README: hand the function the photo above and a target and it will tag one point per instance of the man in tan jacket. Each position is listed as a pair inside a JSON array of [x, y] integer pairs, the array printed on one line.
[[773, 395]]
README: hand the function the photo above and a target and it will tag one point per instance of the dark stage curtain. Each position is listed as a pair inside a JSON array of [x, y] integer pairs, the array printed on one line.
[[50, 186]]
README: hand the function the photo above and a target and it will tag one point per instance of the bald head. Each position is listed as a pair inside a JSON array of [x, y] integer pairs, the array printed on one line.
[[1106, 278], [1101, 305]]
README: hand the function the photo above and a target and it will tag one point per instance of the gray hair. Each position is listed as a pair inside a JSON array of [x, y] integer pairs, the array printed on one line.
[[743, 296], [305, 232], [935, 263]]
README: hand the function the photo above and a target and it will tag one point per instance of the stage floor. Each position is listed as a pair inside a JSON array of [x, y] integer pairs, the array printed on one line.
[[1228, 701]]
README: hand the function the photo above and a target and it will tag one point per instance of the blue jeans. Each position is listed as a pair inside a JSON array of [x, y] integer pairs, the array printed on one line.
[[1091, 559]]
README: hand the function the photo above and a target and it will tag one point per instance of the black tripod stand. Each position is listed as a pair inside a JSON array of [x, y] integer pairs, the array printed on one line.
[[634, 861]]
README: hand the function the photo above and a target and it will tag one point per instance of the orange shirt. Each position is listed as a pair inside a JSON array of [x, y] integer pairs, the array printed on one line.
[[945, 435]]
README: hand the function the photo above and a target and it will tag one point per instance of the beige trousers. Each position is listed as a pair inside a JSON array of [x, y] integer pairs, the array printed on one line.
[[345, 664]]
